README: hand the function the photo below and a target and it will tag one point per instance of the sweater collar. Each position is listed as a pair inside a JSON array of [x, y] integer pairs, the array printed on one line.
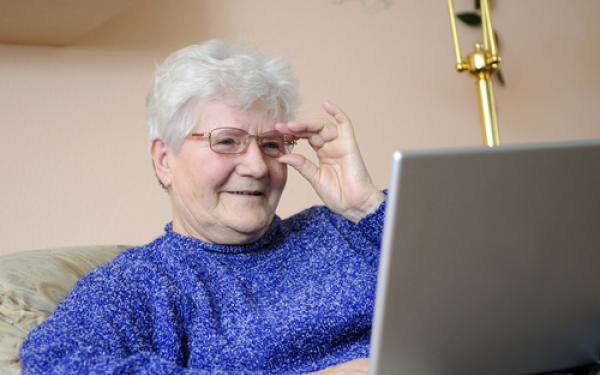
[[192, 243]]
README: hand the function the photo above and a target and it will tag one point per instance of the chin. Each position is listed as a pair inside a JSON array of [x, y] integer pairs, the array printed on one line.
[[252, 226]]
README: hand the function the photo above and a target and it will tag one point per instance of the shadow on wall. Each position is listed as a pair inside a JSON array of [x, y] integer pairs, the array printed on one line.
[[148, 25]]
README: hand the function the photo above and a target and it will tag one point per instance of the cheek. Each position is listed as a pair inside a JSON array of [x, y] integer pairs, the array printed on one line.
[[204, 179], [218, 174], [279, 175], [212, 179], [204, 191], [198, 196]]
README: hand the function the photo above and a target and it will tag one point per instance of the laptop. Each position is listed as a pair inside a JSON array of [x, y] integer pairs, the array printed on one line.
[[490, 261]]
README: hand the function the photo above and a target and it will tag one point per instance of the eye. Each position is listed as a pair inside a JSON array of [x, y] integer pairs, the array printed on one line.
[[273, 142], [272, 145], [224, 142], [227, 140]]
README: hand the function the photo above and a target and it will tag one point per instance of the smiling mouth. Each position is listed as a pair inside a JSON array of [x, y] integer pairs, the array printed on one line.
[[252, 193]]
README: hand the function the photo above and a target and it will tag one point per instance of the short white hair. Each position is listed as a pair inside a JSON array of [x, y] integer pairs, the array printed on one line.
[[215, 70]]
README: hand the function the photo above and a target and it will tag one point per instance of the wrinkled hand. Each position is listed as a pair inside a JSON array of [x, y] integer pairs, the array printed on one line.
[[341, 178], [355, 367]]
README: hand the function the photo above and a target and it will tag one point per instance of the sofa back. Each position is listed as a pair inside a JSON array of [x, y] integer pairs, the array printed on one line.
[[32, 283]]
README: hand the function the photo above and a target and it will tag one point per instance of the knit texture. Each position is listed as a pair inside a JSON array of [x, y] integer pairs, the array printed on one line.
[[298, 300]]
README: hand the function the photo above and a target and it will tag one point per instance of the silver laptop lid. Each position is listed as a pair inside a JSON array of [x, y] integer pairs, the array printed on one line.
[[490, 261]]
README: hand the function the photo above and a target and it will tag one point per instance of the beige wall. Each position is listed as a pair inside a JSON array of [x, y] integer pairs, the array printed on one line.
[[73, 154]]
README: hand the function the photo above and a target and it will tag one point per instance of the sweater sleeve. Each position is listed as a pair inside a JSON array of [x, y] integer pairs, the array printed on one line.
[[366, 235], [102, 327]]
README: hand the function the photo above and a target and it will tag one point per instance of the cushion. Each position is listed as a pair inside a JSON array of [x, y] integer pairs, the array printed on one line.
[[32, 283]]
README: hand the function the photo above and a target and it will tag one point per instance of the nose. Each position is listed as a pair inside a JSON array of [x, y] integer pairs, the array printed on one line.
[[252, 162]]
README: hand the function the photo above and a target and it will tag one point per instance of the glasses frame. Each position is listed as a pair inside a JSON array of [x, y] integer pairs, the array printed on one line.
[[258, 139]]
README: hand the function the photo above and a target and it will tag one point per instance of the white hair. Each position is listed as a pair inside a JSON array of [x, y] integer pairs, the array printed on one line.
[[215, 70]]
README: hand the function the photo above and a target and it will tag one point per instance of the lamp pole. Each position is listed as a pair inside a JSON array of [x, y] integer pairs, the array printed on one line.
[[482, 63]]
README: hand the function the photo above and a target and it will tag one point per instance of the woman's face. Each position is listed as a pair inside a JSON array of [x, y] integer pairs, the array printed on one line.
[[225, 199]]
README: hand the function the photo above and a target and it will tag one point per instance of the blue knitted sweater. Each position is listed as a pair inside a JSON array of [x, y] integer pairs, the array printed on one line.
[[298, 300]]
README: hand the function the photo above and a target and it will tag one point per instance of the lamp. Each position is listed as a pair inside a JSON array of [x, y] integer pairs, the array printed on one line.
[[481, 64]]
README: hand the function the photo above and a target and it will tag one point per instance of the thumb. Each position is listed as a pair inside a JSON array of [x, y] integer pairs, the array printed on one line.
[[305, 167]]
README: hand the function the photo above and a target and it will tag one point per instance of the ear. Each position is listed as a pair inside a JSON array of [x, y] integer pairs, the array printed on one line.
[[159, 151]]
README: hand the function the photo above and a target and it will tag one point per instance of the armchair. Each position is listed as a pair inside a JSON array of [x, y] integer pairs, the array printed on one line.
[[32, 283]]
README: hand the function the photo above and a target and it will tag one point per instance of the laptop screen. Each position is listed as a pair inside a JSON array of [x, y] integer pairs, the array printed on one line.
[[490, 261]]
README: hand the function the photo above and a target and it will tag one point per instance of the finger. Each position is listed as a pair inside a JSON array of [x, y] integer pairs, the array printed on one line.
[[305, 167], [306, 128], [316, 131], [340, 116], [328, 130]]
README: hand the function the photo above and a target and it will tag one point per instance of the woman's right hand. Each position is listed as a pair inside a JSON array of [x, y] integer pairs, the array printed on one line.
[[340, 176]]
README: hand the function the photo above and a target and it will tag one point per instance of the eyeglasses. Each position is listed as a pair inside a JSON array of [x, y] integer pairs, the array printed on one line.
[[234, 141]]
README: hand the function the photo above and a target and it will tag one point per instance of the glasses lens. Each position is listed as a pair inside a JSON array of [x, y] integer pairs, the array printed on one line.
[[274, 143], [235, 141], [228, 141]]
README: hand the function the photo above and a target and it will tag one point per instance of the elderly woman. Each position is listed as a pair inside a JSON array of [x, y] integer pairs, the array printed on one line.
[[230, 287]]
